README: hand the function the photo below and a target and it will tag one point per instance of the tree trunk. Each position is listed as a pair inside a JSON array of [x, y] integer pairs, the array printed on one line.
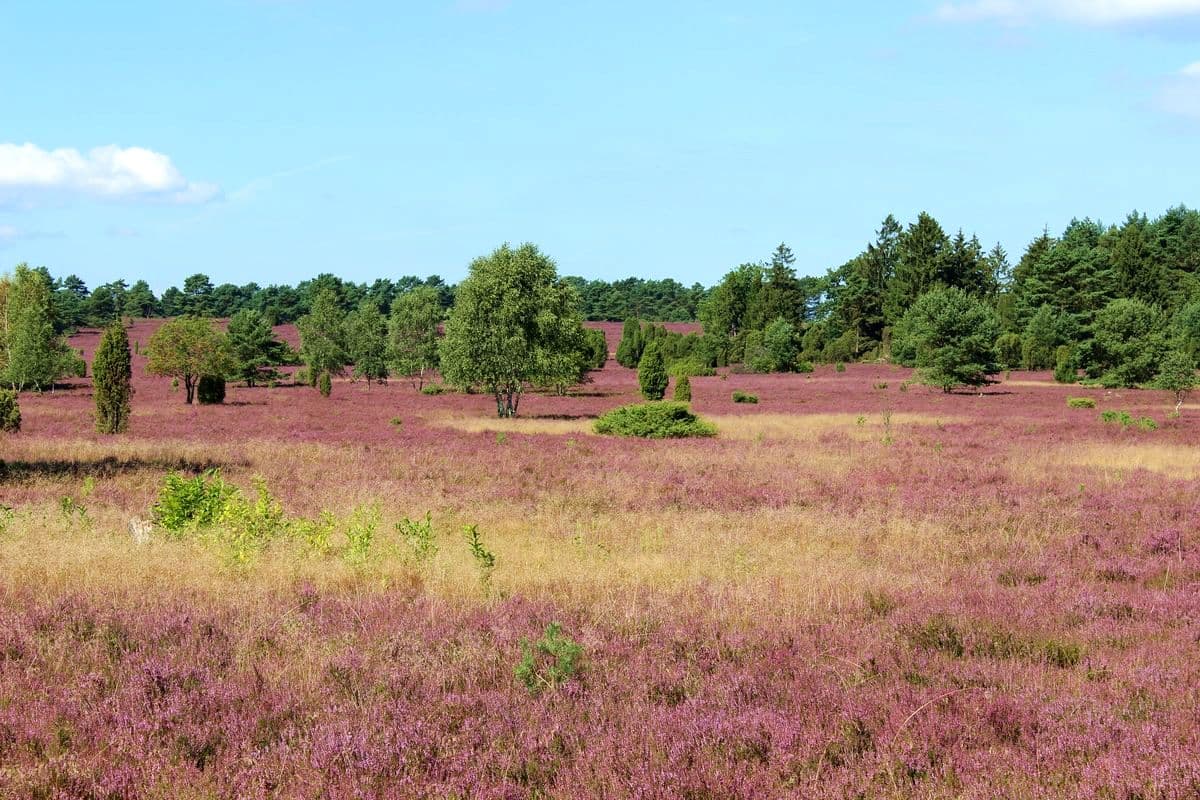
[[189, 388]]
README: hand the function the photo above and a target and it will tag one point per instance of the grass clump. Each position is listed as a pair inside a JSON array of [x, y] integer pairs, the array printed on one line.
[[745, 397], [655, 420], [1080, 402], [1127, 420]]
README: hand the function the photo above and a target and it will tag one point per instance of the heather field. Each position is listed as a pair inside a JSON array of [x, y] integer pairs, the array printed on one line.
[[859, 588]]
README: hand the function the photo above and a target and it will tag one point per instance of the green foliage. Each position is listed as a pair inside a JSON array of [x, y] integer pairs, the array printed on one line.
[[485, 559], [1080, 402], [253, 348], [10, 411], [1065, 370], [690, 368], [954, 338], [840, 366], [629, 349], [366, 338], [360, 534], [112, 376], [1040, 340], [413, 333], [185, 349], [745, 397], [249, 524], [1177, 375], [419, 536], [549, 662], [1009, 350], [656, 420], [210, 390], [1128, 343], [596, 348], [323, 337], [434, 389], [1127, 420], [514, 322], [652, 374], [191, 502], [780, 344], [32, 354], [683, 389], [325, 384]]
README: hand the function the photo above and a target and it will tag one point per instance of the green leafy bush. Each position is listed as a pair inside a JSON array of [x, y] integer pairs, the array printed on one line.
[[690, 368], [745, 397], [1080, 402], [683, 389], [10, 411], [360, 534], [434, 389], [325, 384], [840, 366], [658, 420], [191, 502], [484, 559], [211, 390], [549, 662], [804, 366], [1126, 420], [419, 536], [1065, 370]]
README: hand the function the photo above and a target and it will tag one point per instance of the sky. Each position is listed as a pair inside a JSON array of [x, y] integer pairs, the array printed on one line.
[[272, 140]]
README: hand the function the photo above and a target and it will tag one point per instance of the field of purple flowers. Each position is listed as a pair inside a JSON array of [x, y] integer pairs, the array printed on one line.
[[859, 588]]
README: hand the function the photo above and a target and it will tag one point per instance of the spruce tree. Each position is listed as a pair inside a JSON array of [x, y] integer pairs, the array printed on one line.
[[111, 378]]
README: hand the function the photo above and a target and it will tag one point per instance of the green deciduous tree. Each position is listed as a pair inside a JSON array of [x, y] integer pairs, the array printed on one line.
[[322, 336], [413, 333], [32, 355], [1177, 374], [187, 348], [514, 322], [953, 336], [366, 337], [112, 376]]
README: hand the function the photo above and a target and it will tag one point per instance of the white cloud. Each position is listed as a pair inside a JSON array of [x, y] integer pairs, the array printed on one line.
[[1180, 94], [1089, 12], [108, 172]]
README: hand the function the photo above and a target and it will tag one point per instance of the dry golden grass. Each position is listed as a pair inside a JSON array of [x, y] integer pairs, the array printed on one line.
[[531, 425], [1117, 461]]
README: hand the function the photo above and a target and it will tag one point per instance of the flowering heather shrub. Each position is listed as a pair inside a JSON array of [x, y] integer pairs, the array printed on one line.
[[10, 411], [656, 420], [744, 397], [1080, 402]]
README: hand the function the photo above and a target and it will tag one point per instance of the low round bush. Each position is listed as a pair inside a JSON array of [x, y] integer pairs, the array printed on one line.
[[1080, 402], [745, 397], [211, 390], [656, 420]]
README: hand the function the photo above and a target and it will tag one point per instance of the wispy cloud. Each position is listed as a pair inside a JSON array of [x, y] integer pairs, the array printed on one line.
[[110, 172], [1180, 93], [1087, 12], [11, 234]]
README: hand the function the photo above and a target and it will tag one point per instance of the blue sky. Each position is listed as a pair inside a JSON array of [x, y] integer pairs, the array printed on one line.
[[271, 140]]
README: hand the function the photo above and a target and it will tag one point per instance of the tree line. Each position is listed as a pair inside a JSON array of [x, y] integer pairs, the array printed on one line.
[[78, 306]]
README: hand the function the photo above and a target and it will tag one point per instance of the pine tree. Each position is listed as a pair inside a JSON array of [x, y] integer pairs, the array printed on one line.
[[253, 347], [111, 377]]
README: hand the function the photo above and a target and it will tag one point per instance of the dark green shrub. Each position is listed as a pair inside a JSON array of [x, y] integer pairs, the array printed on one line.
[[198, 501], [325, 384], [659, 420], [1080, 402], [112, 375], [596, 348], [938, 633], [211, 390], [652, 374], [804, 366], [1065, 370], [683, 389], [434, 389], [691, 368], [1009, 350], [745, 397], [549, 662], [840, 366], [10, 411]]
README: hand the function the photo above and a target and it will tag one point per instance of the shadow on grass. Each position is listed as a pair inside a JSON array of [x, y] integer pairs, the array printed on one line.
[[566, 417], [107, 467]]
